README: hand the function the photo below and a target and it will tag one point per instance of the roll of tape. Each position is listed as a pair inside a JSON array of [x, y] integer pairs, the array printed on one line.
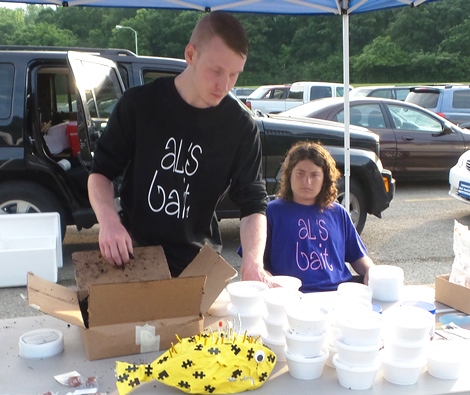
[[41, 343]]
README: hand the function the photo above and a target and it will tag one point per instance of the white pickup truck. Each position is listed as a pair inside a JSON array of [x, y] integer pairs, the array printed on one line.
[[299, 93]]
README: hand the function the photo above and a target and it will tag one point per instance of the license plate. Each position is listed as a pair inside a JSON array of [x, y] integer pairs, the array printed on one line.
[[464, 189]]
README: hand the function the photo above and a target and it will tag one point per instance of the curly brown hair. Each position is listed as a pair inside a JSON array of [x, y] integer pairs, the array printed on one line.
[[319, 156]]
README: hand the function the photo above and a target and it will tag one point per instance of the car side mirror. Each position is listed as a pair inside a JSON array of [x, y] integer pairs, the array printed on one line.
[[446, 129], [465, 125]]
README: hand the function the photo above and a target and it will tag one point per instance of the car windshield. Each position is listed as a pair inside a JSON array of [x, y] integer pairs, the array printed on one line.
[[359, 92], [259, 92], [340, 91], [296, 92]]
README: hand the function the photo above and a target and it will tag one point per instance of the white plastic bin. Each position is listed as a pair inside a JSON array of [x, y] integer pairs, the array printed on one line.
[[29, 243]]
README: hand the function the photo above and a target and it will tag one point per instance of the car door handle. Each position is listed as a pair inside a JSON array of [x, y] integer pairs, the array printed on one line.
[[408, 138]]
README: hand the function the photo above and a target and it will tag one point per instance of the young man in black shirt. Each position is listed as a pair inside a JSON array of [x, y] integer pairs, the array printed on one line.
[[181, 142]]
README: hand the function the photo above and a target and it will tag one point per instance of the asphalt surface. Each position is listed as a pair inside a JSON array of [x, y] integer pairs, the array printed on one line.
[[415, 233]]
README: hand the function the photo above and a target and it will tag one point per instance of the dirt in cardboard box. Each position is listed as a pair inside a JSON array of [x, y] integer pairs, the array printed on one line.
[[92, 268]]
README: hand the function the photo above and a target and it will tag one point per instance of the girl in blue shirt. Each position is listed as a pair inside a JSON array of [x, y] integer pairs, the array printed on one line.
[[311, 236]]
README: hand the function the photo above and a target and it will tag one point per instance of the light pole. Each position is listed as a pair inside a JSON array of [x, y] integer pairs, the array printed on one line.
[[135, 35]]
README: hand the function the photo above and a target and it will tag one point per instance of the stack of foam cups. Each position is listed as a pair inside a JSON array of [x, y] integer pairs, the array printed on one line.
[[350, 296], [407, 338], [305, 334], [357, 337], [275, 318], [246, 307]]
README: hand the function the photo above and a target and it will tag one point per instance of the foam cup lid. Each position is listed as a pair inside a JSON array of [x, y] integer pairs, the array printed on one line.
[[41, 343]]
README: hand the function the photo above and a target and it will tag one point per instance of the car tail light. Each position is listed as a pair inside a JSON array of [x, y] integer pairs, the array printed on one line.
[[386, 184], [248, 104], [441, 114]]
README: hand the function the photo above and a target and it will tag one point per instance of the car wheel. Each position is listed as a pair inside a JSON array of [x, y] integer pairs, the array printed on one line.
[[357, 203], [23, 197]]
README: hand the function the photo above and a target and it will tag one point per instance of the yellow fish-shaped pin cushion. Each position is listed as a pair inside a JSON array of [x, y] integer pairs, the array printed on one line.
[[204, 364]]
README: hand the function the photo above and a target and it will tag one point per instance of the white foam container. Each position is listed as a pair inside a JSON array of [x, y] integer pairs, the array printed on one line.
[[41, 343], [404, 351], [305, 346], [306, 368], [275, 299], [274, 330], [401, 373], [447, 359], [362, 328], [289, 282], [354, 377], [358, 356], [251, 322], [409, 324], [245, 296], [306, 317], [29, 243], [386, 282]]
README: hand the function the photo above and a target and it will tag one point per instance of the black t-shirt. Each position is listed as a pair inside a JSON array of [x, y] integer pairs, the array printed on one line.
[[178, 162]]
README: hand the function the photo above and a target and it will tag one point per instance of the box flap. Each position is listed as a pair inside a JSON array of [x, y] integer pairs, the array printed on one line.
[[91, 268], [451, 294], [53, 299], [145, 301], [218, 271]]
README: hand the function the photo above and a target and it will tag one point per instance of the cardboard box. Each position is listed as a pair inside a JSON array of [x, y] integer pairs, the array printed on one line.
[[452, 295], [29, 243], [136, 310]]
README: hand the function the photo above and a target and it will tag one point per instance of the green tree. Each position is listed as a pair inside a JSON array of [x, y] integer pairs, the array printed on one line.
[[267, 56], [458, 40], [382, 60], [10, 22], [442, 67], [44, 34]]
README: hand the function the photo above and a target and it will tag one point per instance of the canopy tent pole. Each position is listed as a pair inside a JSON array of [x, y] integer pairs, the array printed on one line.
[[347, 148]]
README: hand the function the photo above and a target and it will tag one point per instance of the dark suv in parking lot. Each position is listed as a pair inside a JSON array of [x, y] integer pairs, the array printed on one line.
[[54, 105], [449, 101]]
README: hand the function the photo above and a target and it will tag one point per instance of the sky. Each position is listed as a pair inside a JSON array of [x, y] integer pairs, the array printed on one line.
[[12, 5]]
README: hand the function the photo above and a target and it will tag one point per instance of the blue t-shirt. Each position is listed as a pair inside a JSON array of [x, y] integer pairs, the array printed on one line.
[[311, 245]]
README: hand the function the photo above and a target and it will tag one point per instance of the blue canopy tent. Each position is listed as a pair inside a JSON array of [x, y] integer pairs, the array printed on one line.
[[292, 7]]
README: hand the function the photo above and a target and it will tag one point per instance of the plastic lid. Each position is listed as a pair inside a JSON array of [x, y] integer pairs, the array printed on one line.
[[377, 308], [41, 343], [423, 305]]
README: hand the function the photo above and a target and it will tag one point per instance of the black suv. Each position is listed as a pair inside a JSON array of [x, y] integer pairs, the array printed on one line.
[[54, 105]]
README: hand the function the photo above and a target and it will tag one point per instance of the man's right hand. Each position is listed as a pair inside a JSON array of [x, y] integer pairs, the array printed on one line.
[[115, 243]]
